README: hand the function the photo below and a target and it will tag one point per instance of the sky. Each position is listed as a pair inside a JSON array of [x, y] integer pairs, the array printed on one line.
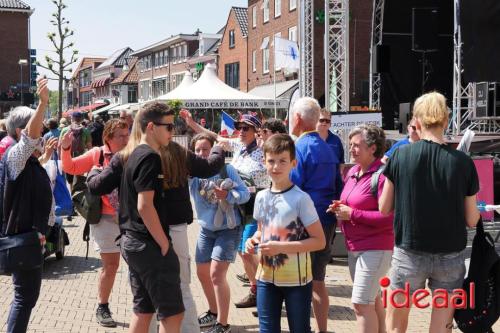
[[102, 27]]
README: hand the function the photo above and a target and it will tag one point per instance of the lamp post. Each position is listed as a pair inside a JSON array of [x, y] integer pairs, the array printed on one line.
[[22, 62]]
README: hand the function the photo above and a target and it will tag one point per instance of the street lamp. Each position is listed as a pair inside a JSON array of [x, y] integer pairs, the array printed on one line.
[[22, 62]]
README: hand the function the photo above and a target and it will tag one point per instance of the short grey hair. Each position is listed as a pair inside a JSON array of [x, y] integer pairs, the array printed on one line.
[[18, 118], [373, 135], [128, 112], [308, 108]]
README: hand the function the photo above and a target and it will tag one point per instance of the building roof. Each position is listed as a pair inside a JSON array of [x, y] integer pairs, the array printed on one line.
[[241, 14], [85, 62], [164, 43], [128, 77], [13, 4], [117, 58]]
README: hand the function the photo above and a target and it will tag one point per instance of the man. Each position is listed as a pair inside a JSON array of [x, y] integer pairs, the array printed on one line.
[[412, 138], [96, 127], [270, 127], [316, 175], [128, 116]]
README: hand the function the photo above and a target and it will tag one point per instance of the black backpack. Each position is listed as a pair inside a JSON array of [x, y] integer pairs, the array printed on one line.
[[375, 181], [484, 272]]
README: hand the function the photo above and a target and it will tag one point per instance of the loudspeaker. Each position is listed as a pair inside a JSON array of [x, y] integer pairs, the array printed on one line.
[[382, 59], [425, 29], [404, 117]]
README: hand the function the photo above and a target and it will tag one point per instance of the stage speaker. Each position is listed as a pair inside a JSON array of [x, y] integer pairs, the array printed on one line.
[[382, 61], [404, 117], [425, 29]]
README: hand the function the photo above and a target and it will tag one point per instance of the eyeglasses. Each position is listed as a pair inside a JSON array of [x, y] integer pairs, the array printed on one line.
[[243, 128], [264, 131], [413, 127], [324, 120], [169, 127]]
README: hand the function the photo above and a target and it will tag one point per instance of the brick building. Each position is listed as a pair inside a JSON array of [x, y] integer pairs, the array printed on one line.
[[79, 89], [162, 65], [233, 50], [14, 31]]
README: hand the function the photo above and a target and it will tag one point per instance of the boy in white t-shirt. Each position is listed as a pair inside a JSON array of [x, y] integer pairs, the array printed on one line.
[[288, 230]]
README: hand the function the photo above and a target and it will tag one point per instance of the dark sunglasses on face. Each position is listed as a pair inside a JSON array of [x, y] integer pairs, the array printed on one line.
[[168, 127], [413, 127], [324, 120], [243, 128]]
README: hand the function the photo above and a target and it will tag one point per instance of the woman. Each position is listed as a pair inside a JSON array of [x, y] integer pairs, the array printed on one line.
[[218, 240], [177, 164], [248, 160], [27, 190], [115, 137], [369, 235], [432, 189]]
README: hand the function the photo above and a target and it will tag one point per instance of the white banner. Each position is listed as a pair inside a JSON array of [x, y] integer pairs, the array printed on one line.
[[349, 121], [235, 104]]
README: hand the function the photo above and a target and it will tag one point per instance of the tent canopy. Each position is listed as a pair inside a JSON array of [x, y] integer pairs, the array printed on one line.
[[209, 92], [187, 82]]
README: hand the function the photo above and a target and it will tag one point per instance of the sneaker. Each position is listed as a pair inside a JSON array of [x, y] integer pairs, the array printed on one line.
[[219, 328], [103, 316], [248, 301], [207, 319], [243, 277]]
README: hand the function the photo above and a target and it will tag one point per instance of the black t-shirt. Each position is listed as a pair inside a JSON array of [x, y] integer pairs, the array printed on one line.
[[142, 173], [431, 182]]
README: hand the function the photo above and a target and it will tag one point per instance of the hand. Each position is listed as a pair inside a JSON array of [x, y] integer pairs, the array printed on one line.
[[250, 245], [220, 193], [66, 140], [333, 207], [270, 248], [186, 115], [164, 248], [50, 146], [343, 212], [43, 91]]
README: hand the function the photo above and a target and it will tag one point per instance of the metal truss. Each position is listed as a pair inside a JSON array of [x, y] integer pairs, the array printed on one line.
[[337, 55], [306, 17], [375, 78]]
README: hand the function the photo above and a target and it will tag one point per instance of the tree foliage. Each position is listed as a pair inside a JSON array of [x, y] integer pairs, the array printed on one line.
[[58, 65]]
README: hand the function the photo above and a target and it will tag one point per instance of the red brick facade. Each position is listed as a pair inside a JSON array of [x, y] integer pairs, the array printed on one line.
[[235, 54]]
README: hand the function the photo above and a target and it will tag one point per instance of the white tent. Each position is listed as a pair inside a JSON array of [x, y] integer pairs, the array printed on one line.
[[187, 82], [209, 92]]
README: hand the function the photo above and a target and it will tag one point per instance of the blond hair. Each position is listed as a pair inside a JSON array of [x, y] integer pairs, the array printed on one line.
[[431, 111], [134, 139], [325, 113]]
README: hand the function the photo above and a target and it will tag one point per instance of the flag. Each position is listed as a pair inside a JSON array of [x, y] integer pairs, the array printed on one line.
[[227, 125], [286, 54]]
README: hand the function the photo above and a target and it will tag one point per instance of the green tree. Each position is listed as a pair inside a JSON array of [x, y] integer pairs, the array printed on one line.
[[60, 39], [53, 103]]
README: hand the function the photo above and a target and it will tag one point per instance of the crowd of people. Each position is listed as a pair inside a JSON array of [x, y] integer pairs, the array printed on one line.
[[276, 205]]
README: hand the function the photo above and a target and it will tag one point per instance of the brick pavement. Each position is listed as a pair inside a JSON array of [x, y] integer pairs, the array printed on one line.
[[68, 297]]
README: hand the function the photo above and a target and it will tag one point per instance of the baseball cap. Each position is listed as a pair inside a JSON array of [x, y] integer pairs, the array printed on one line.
[[77, 115]]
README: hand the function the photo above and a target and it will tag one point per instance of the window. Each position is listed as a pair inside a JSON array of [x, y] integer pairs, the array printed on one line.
[[265, 55], [231, 39], [277, 8], [144, 90], [292, 34], [254, 61], [85, 98], [159, 88], [174, 55], [254, 16], [293, 4], [85, 77], [278, 35], [185, 51], [132, 94], [157, 59], [266, 10], [232, 75]]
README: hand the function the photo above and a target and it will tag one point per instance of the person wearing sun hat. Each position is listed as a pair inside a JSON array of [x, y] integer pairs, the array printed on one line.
[[248, 160]]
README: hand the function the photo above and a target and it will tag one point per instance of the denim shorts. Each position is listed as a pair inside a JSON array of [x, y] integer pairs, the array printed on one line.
[[250, 229], [366, 268], [443, 270], [218, 245]]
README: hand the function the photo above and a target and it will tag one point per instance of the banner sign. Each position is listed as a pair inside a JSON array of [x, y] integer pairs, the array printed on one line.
[[347, 121], [235, 104]]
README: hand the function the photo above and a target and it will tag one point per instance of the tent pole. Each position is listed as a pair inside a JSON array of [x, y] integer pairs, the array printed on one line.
[[274, 76]]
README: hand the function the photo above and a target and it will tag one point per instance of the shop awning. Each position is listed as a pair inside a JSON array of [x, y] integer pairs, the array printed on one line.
[[104, 109], [100, 83], [87, 108]]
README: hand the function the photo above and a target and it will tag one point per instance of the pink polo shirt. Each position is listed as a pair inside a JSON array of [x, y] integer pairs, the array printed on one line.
[[82, 164], [368, 229]]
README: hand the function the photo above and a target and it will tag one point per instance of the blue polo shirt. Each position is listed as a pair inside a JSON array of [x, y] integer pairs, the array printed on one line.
[[338, 149], [316, 172], [396, 146]]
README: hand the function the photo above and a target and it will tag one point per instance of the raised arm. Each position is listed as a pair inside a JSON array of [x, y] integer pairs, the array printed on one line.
[[205, 168], [197, 128], [35, 124], [78, 165], [104, 182]]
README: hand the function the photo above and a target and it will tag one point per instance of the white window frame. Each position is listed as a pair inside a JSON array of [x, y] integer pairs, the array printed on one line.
[[292, 32], [276, 35], [277, 8], [185, 52], [174, 55], [254, 61], [265, 55], [292, 5], [266, 10], [254, 16]]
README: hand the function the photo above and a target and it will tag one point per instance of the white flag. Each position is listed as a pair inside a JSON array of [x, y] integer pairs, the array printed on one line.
[[286, 54]]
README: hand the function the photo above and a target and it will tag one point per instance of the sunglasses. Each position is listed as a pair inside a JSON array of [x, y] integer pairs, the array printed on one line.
[[326, 121], [414, 128], [243, 128], [169, 127]]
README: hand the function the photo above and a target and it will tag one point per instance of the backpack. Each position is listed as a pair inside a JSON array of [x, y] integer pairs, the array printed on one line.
[[77, 146], [96, 130], [484, 273], [246, 209], [375, 180], [62, 197]]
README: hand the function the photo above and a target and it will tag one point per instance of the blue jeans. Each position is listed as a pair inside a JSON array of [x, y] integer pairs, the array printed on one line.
[[26, 291], [297, 302]]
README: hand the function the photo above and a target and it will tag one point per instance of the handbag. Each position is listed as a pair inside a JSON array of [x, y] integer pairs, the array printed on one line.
[[86, 204], [20, 252], [62, 197], [484, 274]]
